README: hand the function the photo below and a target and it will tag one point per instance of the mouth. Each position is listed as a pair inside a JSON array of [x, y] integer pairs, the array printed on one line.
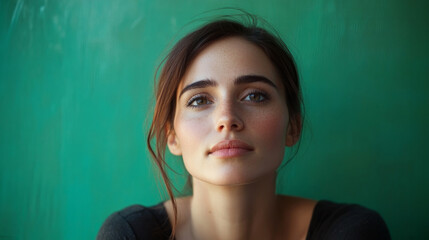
[[230, 149]]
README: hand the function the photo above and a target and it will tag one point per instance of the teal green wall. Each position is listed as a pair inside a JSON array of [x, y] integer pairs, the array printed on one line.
[[76, 87]]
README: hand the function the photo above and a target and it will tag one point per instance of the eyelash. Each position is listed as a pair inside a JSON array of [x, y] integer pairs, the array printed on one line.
[[197, 97], [260, 93], [189, 103]]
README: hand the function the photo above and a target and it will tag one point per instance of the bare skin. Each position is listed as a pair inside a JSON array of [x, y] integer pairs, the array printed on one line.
[[233, 94], [281, 217]]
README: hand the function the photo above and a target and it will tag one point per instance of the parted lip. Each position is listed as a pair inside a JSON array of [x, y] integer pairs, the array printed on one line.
[[230, 144]]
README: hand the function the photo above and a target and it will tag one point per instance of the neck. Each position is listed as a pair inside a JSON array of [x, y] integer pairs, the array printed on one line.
[[234, 212]]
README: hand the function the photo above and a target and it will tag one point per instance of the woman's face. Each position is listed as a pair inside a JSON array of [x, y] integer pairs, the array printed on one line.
[[231, 120]]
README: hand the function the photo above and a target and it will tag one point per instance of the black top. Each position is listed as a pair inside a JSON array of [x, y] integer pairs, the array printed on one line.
[[329, 221]]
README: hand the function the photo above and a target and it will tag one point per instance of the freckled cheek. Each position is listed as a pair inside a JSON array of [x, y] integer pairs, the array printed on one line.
[[271, 127], [191, 132]]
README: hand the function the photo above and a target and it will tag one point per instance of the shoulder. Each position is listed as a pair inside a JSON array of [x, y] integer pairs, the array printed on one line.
[[136, 222], [295, 215], [183, 210], [346, 221]]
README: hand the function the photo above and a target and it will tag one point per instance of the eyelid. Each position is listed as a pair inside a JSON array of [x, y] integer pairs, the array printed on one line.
[[195, 97], [209, 98], [265, 94]]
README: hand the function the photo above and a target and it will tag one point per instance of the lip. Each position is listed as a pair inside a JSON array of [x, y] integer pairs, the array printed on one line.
[[230, 148]]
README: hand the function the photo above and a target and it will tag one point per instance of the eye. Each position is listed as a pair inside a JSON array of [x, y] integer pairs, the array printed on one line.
[[256, 97], [198, 101]]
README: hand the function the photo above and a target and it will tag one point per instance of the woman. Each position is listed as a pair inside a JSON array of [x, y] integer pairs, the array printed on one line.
[[229, 101]]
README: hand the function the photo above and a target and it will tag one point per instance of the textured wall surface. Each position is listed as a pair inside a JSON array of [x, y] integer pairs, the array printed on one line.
[[76, 82]]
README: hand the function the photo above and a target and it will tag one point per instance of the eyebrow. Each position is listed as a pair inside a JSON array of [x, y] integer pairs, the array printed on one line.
[[199, 84], [238, 81], [253, 78]]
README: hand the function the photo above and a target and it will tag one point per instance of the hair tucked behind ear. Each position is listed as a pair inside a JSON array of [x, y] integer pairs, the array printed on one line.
[[179, 59]]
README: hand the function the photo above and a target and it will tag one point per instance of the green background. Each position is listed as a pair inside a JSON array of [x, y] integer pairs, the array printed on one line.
[[76, 88]]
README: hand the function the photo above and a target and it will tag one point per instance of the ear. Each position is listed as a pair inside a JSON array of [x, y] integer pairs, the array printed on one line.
[[173, 143], [293, 131]]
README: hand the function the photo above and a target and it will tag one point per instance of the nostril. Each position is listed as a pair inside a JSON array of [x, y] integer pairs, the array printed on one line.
[[230, 122], [221, 127]]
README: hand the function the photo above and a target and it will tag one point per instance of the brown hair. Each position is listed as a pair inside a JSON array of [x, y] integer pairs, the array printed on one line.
[[179, 59]]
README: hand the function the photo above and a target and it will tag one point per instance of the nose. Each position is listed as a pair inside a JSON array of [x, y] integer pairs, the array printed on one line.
[[228, 118]]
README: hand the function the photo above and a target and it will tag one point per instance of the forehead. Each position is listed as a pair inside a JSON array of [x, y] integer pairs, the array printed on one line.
[[227, 59]]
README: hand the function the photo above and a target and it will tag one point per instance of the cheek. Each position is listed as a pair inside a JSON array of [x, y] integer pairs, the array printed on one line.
[[190, 132], [272, 127]]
